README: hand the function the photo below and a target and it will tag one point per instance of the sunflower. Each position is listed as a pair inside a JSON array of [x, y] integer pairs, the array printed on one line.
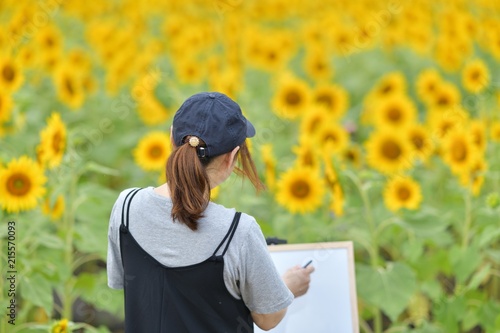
[[152, 151], [61, 326], [292, 98], [312, 121], [333, 98], [54, 210], [352, 155], [151, 111], [188, 71], [11, 76], [69, 86], [317, 65], [420, 140], [332, 137], [495, 131], [300, 190], [392, 83], [474, 178], [307, 153], [5, 107], [449, 52], [270, 165], [427, 84], [227, 81], [53, 142], [446, 96], [337, 195], [388, 152], [343, 40], [477, 128], [395, 112], [214, 193], [459, 151], [442, 122], [21, 185], [475, 76], [402, 192], [389, 85]]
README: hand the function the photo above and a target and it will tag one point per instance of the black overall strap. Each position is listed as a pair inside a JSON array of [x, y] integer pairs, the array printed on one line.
[[230, 233], [125, 220]]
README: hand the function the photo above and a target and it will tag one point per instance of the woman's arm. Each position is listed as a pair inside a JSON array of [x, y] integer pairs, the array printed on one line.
[[267, 321]]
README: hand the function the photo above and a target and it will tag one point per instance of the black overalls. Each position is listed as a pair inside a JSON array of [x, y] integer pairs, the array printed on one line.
[[192, 299]]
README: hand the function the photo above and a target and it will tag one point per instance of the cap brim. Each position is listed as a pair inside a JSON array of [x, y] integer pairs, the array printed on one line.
[[250, 129]]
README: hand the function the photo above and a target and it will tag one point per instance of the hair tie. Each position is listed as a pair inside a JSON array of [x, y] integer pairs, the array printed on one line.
[[194, 141]]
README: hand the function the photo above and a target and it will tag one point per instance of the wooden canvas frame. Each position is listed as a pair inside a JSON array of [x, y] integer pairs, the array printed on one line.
[[320, 249]]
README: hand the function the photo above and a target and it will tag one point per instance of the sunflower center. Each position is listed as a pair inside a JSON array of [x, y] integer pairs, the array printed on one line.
[[307, 158], [350, 156], [69, 86], [57, 142], [8, 73], [293, 98], [49, 42], [403, 193], [391, 150], [445, 127], [314, 124], [418, 142], [300, 189], [443, 100], [475, 75], [331, 137], [459, 151], [155, 151], [325, 99], [386, 88], [431, 86], [18, 184], [394, 114], [320, 65]]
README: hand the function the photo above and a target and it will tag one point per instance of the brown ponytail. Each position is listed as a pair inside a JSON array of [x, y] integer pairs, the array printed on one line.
[[189, 183]]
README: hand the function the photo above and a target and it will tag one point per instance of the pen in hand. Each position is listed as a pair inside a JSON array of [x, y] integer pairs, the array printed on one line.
[[308, 263]]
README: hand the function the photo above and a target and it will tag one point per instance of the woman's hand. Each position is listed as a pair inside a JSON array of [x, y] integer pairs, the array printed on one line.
[[297, 279]]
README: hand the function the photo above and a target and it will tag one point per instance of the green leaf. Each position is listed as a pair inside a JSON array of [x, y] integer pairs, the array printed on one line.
[[464, 261], [490, 234], [389, 289], [38, 290], [479, 277], [85, 283], [489, 315], [450, 313]]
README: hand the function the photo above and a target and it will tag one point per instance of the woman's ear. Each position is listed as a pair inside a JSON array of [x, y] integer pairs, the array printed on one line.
[[232, 156]]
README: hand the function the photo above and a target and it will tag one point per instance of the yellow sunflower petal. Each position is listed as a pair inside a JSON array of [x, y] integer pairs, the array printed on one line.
[[21, 185], [300, 190], [152, 151]]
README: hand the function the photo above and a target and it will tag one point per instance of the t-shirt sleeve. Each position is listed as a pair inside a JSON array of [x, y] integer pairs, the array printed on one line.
[[114, 265], [262, 288]]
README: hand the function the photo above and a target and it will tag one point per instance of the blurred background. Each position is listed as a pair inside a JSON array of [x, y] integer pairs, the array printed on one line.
[[377, 122]]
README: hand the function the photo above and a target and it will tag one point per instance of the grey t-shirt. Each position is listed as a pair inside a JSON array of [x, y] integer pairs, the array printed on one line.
[[249, 272]]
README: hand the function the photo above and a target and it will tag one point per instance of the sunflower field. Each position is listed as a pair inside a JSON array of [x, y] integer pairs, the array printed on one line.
[[378, 121]]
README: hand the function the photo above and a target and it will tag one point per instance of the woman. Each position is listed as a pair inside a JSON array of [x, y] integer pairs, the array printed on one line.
[[187, 264]]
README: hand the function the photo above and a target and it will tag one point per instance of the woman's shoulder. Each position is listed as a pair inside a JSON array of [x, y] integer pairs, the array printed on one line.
[[246, 224]]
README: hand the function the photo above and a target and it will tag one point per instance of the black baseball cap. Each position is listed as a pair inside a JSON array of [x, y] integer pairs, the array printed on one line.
[[214, 118]]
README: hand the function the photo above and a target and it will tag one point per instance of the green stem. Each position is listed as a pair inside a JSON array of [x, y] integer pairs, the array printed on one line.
[[468, 219], [373, 251], [69, 220]]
